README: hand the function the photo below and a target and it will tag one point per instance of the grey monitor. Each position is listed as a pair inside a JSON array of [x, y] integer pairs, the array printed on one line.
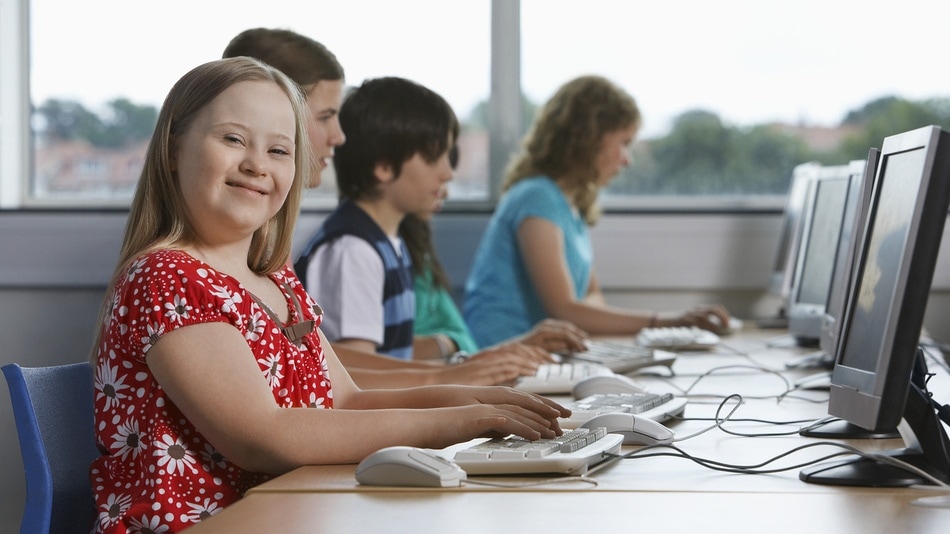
[[821, 232], [784, 261], [878, 379], [859, 194]]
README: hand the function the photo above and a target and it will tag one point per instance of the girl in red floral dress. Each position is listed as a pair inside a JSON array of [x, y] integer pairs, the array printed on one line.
[[212, 374]]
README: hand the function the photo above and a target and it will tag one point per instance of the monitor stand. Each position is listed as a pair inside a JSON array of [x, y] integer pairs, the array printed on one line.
[[930, 452], [778, 321], [841, 429]]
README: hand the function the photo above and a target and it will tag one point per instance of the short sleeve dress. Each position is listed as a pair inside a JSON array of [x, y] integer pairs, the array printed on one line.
[[158, 473]]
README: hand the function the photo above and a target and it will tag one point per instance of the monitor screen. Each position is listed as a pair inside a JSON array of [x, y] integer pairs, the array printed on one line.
[[824, 213], [878, 342], [852, 224], [785, 259]]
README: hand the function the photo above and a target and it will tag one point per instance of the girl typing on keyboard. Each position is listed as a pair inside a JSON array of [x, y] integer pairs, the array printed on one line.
[[537, 245], [212, 374]]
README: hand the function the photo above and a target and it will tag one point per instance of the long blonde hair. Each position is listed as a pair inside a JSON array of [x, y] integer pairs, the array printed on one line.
[[565, 139], [157, 217]]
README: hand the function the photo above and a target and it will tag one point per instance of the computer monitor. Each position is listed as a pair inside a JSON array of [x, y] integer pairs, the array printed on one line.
[[878, 379], [783, 266], [821, 232], [852, 225]]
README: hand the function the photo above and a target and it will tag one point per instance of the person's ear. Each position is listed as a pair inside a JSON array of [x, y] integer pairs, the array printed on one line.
[[384, 172]]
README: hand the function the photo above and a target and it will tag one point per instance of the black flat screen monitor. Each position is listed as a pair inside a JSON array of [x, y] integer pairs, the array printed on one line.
[[852, 225], [877, 351], [821, 232]]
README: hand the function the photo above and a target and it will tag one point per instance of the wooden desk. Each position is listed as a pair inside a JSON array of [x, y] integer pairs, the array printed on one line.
[[847, 512], [644, 494]]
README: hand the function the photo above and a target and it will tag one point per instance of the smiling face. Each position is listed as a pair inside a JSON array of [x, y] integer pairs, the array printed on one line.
[[235, 162], [323, 101]]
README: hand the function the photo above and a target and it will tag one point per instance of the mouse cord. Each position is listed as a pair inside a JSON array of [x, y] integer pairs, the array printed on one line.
[[718, 420], [686, 391], [757, 469], [788, 393], [738, 352]]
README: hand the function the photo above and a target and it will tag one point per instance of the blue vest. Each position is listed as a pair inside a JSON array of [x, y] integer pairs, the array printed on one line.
[[399, 300]]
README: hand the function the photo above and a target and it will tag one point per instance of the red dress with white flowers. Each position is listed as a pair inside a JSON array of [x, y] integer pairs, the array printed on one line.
[[159, 474]]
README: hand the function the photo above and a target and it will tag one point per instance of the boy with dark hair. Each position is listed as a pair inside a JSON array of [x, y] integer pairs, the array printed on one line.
[[395, 161]]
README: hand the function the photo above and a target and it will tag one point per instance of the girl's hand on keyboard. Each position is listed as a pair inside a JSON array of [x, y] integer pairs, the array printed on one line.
[[530, 355], [513, 412], [500, 365], [712, 318], [554, 335]]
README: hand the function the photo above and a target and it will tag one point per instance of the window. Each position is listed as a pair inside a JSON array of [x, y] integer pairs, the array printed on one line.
[[734, 93], [96, 85]]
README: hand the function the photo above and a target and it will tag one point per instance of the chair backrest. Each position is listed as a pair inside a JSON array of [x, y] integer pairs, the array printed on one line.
[[53, 410]]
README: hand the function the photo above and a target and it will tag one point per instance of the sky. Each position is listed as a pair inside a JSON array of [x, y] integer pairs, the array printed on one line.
[[749, 61]]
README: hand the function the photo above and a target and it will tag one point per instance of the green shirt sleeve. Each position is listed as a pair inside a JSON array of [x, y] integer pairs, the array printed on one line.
[[436, 313]]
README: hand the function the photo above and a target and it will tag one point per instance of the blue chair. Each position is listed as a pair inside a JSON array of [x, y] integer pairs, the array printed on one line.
[[53, 409]]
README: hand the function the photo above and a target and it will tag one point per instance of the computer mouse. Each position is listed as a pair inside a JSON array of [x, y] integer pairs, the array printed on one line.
[[408, 466], [600, 384], [636, 430]]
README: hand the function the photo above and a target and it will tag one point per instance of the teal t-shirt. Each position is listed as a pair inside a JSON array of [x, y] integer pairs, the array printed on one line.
[[500, 299], [436, 313]]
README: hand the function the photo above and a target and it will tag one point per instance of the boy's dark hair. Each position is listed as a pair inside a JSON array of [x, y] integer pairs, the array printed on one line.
[[389, 120]]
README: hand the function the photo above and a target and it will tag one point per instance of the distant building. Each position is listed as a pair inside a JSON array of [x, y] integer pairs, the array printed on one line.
[[817, 138], [77, 168]]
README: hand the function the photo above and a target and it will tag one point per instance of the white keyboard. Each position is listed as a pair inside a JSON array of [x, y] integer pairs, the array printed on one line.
[[622, 358], [570, 454], [559, 378], [656, 406], [677, 338]]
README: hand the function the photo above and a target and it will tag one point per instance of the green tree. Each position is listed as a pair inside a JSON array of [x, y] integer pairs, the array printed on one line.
[[701, 155], [888, 116], [129, 123], [67, 121], [126, 123]]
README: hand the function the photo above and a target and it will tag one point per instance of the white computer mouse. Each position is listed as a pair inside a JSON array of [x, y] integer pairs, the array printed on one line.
[[636, 430], [601, 384], [408, 466]]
